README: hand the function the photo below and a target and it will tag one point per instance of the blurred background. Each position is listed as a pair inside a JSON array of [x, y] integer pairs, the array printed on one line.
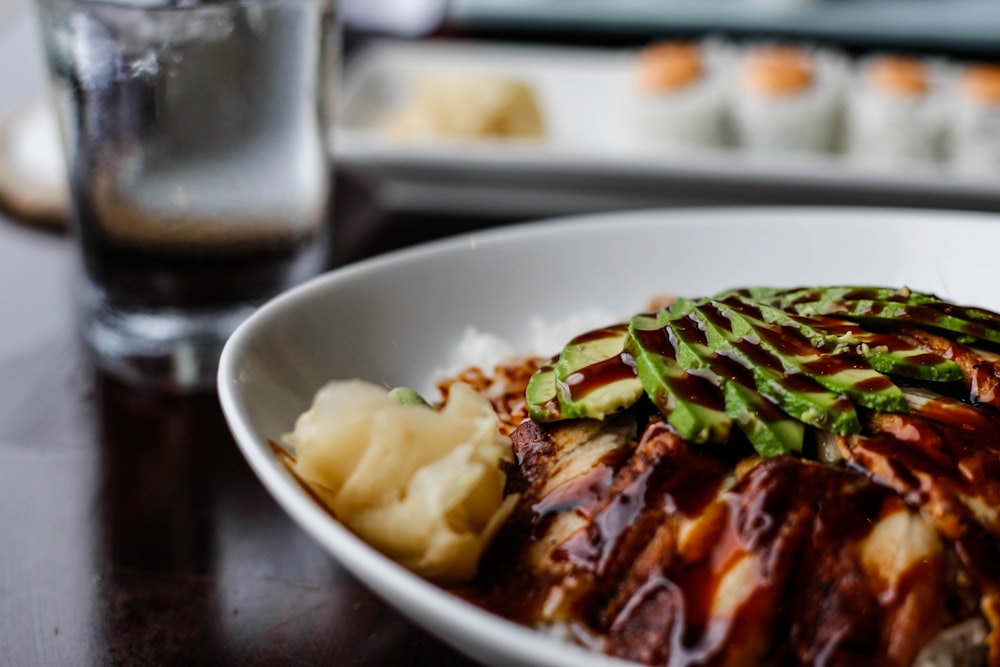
[[905, 115], [417, 139]]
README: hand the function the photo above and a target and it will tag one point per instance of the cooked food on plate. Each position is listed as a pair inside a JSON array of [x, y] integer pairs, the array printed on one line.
[[789, 99], [976, 123], [767, 476], [897, 113], [683, 97], [466, 106]]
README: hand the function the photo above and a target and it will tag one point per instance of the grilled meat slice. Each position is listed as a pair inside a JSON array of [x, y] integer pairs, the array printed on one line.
[[658, 552], [665, 481], [564, 472], [944, 459], [798, 563], [980, 369], [591, 495]]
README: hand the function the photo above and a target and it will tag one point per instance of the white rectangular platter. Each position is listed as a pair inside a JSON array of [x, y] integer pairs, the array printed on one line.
[[593, 157]]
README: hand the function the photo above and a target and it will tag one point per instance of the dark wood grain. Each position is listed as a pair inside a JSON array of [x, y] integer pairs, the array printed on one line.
[[132, 532]]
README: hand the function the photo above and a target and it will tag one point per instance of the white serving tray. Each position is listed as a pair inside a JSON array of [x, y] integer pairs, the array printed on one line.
[[593, 157]]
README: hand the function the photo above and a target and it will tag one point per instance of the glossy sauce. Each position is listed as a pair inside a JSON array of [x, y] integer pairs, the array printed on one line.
[[663, 478], [795, 521], [693, 388], [946, 451], [601, 373], [796, 527], [689, 330], [579, 492]]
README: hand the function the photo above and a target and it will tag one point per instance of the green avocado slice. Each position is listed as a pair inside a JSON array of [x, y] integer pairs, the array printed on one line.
[[798, 394], [974, 322], [881, 304], [884, 352], [691, 403], [768, 429], [787, 298], [594, 375], [540, 394], [840, 373]]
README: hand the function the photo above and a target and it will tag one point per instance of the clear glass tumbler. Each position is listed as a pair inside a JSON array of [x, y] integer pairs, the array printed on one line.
[[196, 136]]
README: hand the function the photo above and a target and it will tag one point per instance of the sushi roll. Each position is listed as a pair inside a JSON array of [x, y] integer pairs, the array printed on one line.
[[896, 114], [975, 123], [789, 99], [681, 94]]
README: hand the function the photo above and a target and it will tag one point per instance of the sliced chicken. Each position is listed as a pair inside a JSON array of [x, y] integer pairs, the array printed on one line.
[[944, 459], [980, 368], [798, 563], [656, 551]]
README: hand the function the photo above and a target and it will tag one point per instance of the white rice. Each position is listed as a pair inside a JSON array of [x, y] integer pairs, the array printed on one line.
[[544, 337]]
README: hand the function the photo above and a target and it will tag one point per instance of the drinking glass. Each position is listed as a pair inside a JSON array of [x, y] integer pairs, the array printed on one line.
[[196, 144]]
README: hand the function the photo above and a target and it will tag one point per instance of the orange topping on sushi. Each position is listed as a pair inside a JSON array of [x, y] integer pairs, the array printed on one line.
[[898, 75], [777, 71], [982, 83], [669, 66]]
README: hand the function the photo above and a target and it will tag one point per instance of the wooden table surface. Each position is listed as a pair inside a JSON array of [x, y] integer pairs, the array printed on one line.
[[132, 532]]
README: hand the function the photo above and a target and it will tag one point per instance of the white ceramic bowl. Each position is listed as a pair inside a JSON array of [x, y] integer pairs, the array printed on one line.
[[397, 318]]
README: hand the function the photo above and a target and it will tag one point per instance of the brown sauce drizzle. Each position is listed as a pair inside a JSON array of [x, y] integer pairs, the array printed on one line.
[[720, 365], [925, 359], [807, 598], [716, 317], [931, 312], [787, 340], [664, 477], [600, 374], [877, 383], [799, 523], [792, 342], [579, 492], [691, 387], [744, 307], [657, 341], [934, 459]]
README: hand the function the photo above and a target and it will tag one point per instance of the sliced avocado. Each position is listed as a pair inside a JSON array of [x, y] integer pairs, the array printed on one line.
[[691, 404], [788, 298], [974, 322], [595, 376], [882, 303], [884, 352], [796, 393], [840, 373], [540, 394], [768, 429]]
